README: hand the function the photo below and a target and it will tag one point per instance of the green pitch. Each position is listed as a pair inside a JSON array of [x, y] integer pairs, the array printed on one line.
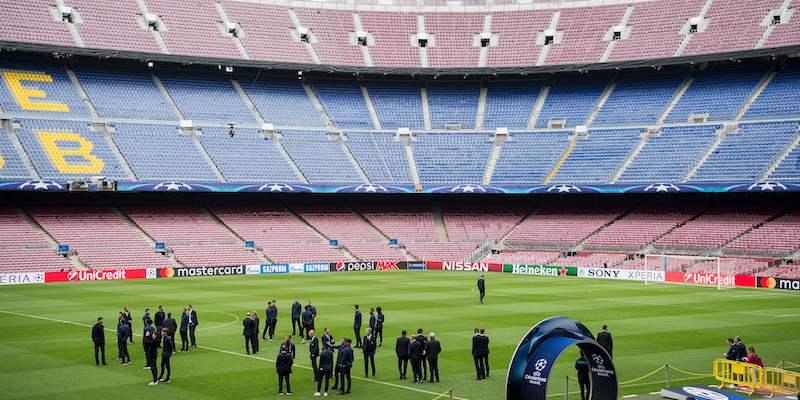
[[46, 351]]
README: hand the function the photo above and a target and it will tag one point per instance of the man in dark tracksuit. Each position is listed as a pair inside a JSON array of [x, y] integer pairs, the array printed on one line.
[[184, 329], [148, 332], [99, 340], [357, 325], [313, 351], [297, 310], [372, 319], [126, 313], [247, 329], [254, 332], [150, 341], [346, 361], [123, 333], [476, 344], [432, 350], [415, 354], [193, 323], [481, 288], [159, 318], [172, 327], [582, 368], [424, 365], [272, 319], [166, 355], [308, 322], [605, 340], [368, 349], [379, 320], [401, 349], [284, 366], [483, 352], [313, 316], [289, 347], [324, 370], [327, 339]]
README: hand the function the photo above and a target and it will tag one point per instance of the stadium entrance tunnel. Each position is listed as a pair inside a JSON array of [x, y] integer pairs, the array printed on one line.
[[538, 351]]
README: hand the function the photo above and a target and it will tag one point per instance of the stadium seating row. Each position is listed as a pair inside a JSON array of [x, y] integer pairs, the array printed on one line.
[[576, 33], [606, 233], [140, 139]]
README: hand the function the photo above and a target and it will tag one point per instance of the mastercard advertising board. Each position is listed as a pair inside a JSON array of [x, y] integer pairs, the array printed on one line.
[[778, 283]]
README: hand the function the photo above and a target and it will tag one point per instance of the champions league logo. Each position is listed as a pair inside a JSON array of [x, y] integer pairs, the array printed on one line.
[[172, 186], [275, 187], [563, 189], [468, 189], [537, 352], [767, 186], [371, 189], [662, 188], [41, 185]]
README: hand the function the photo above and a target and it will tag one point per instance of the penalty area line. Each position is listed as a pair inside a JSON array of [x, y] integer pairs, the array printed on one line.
[[358, 378]]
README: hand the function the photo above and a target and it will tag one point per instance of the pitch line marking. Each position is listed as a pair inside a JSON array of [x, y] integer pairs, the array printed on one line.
[[358, 378]]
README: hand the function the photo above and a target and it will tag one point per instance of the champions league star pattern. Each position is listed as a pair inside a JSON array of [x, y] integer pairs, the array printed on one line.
[[193, 187]]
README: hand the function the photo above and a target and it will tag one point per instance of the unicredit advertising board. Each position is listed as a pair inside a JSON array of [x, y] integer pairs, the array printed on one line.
[[464, 266], [100, 275]]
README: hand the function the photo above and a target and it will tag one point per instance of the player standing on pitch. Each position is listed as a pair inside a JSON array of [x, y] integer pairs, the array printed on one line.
[[481, 288]]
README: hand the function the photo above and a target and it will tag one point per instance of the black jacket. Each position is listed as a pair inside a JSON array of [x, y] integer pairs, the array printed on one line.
[[605, 340], [422, 339], [379, 321], [272, 313], [289, 348], [326, 360], [168, 347], [170, 324], [741, 350], [347, 356], [160, 317], [432, 349], [415, 350], [284, 363], [98, 333], [357, 319], [193, 318], [372, 321], [308, 318], [481, 285], [184, 322], [123, 332], [313, 347], [327, 340], [297, 309], [480, 345], [369, 345], [401, 347], [247, 327]]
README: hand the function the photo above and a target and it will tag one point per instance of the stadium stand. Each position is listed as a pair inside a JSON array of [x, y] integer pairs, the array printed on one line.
[[127, 33], [734, 24], [121, 92], [454, 38], [319, 156], [509, 104], [382, 158], [718, 91], [205, 97], [518, 31], [584, 29], [780, 99], [11, 165], [392, 32], [529, 156], [474, 223], [32, 22], [596, 157], [777, 237], [160, 152], [789, 168], [406, 222], [572, 99], [67, 149], [38, 89], [669, 155], [453, 103], [398, 104], [23, 248], [344, 103], [332, 29], [193, 236], [746, 154], [246, 157], [524, 257], [281, 101], [193, 29], [450, 158], [100, 236], [284, 239], [639, 98]]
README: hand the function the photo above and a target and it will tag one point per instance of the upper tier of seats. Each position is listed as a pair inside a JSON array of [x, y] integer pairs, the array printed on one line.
[[732, 121], [521, 35]]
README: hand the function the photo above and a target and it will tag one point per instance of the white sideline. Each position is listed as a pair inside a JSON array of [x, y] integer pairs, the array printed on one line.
[[229, 352]]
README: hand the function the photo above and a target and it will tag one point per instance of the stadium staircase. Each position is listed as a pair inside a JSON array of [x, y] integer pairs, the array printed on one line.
[[779, 159], [312, 96], [688, 34], [494, 155], [258, 252], [138, 229], [579, 246], [613, 43], [438, 218], [645, 138], [364, 49], [302, 220], [107, 137], [757, 92], [426, 108], [676, 98], [769, 26], [408, 256], [165, 94], [10, 129], [602, 100], [479, 115], [72, 257], [721, 134], [370, 106], [537, 106], [572, 143], [235, 38], [210, 161], [162, 44], [346, 150]]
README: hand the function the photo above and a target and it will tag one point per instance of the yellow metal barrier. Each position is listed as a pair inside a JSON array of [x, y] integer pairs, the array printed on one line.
[[740, 374], [781, 381]]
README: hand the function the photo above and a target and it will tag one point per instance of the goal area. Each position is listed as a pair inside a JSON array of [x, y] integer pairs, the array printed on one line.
[[693, 270]]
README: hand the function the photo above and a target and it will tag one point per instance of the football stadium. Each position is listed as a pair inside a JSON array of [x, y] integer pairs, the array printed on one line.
[[400, 199]]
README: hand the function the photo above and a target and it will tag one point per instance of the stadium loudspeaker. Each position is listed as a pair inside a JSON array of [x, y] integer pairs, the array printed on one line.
[[540, 348]]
